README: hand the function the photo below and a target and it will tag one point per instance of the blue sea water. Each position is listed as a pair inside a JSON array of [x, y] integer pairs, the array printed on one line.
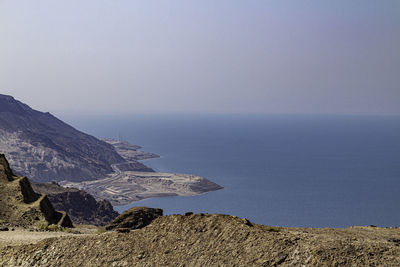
[[284, 170]]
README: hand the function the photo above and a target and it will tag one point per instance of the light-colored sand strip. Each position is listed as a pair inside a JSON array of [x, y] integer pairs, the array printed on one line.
[[19, 236]]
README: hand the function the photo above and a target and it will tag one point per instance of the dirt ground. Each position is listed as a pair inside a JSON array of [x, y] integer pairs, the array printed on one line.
[[213, 240], [23, 237]]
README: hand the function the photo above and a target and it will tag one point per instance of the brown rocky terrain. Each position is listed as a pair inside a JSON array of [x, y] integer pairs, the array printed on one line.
[[213, 240], [81, 207], [21, 206]]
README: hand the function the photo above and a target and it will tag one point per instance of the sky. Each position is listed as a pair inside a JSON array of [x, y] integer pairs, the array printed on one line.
[[208, 56]]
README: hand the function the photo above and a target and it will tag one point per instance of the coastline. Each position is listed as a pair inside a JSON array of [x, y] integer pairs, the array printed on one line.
[[123, 187]]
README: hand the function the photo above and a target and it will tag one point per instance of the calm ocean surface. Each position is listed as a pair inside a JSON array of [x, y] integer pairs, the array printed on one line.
[[316, 171]]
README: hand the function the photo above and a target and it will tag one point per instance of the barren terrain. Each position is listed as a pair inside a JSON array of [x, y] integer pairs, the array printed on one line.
[[212, 240]]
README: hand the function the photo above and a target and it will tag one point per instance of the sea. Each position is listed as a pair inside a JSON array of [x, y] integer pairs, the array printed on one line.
[[278, 170]]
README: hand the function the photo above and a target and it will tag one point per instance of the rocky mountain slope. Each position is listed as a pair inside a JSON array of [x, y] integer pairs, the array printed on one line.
[[21, 206], [44, 148], [213, 240], [81, 207]]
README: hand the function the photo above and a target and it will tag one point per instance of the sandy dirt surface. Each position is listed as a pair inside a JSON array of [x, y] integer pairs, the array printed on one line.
[[22, 236]]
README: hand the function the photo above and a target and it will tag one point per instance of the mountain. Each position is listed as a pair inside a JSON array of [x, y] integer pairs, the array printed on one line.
[[46, 149], [21, 206], [81, 207]]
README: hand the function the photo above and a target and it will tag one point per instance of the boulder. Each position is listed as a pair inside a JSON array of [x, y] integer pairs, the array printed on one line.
[[135, 218], [6, 173]]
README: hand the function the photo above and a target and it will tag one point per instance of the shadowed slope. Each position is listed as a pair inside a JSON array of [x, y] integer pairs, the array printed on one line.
[[82, 207]]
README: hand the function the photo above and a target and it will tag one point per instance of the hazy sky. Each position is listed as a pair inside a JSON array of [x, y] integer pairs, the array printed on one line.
[[125, 56]]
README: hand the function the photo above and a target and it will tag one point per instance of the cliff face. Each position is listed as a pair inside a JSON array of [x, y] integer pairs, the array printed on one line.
[[80, 206], [21, 206], [44, 148]]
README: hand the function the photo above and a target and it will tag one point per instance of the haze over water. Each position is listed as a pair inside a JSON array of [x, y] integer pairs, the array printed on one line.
[[286, 170]]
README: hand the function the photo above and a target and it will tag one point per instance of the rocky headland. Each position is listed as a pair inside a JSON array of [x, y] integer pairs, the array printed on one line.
[[127, 187], [44, 148]]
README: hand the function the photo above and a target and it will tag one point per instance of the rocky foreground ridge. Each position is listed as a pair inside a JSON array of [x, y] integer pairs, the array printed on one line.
[[21, 206], [143, 237], [213, 240]]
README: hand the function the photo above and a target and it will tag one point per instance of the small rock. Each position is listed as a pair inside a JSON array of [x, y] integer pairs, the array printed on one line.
[[394, 240], [281, 258], [3, 228], [123, 230], [247, 222], [188, 213]]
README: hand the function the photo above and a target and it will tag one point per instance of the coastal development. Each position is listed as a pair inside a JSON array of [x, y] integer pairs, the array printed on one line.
[[125, 187]]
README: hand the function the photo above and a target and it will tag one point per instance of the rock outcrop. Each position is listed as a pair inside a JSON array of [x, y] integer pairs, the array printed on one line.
[[80, 206], [44, 148], [21, 206], [135, 218]]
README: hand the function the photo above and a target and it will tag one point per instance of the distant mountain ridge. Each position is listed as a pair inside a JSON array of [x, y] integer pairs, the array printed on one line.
[[44, 148]]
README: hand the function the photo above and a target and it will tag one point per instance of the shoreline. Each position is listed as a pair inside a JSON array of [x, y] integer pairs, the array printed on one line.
[[123, 187]]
